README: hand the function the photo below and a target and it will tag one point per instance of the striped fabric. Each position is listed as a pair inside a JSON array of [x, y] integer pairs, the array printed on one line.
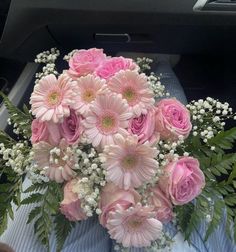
[[89, 236]]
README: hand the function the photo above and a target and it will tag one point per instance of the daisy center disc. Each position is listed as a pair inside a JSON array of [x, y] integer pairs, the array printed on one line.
[[54, 98], [130, 95], [129, 162], [88, 96], [135, 223], [108, 123]]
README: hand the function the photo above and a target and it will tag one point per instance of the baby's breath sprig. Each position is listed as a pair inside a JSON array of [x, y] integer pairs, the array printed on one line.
[[92, 178], [48, 58], [156, 86], [17, 157], [144, 63], [209, 116]]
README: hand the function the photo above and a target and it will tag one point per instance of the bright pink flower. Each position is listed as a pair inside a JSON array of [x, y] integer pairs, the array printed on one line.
[[172, 119], [135, 89], [144, 127], [52, 98], [162, 205], [183, 180], [85, 62], [135, 226], [113, 65], [129, 163], [109, 116], [71, 128], [88, 89], [45, 131], [60, 171], [71, 205], [112, 196]]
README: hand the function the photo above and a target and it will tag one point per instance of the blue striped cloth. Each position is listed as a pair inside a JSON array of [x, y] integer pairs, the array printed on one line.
[[90, 236]]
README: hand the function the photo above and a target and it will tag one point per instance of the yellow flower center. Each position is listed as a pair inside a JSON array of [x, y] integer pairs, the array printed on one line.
[[54, 98], [107, 122], [88, 96], [129, 162], [129, 94], [134, 223]]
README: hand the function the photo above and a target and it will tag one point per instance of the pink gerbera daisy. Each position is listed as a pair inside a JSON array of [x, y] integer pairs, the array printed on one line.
[[109, 115], [129, 163], [56, 162], [52, 97], [135, 226], [88, 89], [134, 88]]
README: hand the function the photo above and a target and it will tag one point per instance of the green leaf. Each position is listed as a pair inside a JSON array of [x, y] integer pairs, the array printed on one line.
[[3, 222], [224, 139], [36, 187], [216, 218], [22, 119], [63, 228], [232, 175], [33, 198], [36, 211]]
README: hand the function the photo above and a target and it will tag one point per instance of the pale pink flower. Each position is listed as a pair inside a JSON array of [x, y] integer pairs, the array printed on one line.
[[134, 88], [45, 131], [129, 163], [52, 97], [71, 204], [162, 204], [88, 89], [134, 227], [111, 196], [144, 127], [183, 180], [59, 171], [71, 128], [172, 119], [109, 116], [111, 66], [85, 62]]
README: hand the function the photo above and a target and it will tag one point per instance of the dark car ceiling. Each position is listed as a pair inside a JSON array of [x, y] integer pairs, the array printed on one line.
[[169, 26]]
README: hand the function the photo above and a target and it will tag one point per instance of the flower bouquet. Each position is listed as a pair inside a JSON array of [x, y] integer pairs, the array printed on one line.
[[104, 137]]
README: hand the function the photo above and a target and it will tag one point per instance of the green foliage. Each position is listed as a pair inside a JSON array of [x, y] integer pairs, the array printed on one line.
[[47, 197], [9, 193], [5, 139], [21, 118], [62, 229], [224, 139]]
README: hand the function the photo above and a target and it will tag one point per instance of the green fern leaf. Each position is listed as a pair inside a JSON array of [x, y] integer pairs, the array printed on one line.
[[224, 139], [33, 213], [33, 198], [216, 218], [63, 228], [22, 119]]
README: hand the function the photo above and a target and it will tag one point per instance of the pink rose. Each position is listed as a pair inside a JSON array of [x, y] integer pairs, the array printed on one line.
[[85, 62], [112, 196], [144, 127], [183, 180], [162, 205], [114, 65], [172, 119], [71, 205], [45, 131], [71, 128]]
